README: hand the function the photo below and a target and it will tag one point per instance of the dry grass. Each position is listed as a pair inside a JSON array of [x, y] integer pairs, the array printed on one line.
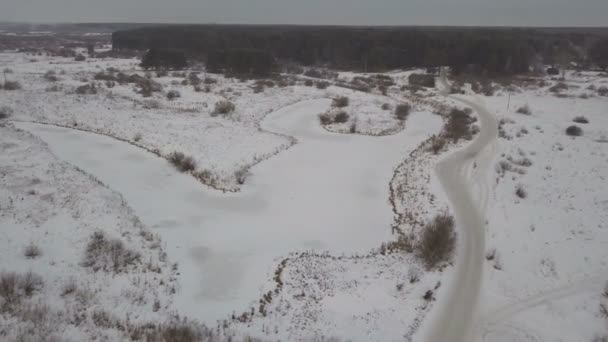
[[14, 287], [109, 255], [182, 162], [32, 251]]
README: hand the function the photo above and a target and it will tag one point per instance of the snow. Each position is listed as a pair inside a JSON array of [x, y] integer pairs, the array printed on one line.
[[314, 207], [306, 199]]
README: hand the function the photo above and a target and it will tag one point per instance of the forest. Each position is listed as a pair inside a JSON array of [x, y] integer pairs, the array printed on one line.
[[257, 50]]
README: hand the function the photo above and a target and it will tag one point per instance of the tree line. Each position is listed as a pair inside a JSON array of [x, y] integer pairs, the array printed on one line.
[[257, 50]]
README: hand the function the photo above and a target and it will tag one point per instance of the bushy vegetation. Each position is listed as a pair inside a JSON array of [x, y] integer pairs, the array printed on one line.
[[328, 118], [341, 117], [340, 102], [108, 255], [402, 111], [32, 251], [182, 162], [51, 76], [223, 107], [322, 85], [438, 241], [525, 109], [574, 131], [11, 85], [5, 112], [458, 125], [87, 89], [581, 120], [558, 87], [14, 287], [520, 191], [422, 80], [173, 94]]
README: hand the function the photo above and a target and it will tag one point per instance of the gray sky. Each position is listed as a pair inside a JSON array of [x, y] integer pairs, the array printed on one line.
[[337, 12]]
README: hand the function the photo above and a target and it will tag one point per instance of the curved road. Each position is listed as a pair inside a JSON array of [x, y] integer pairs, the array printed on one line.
[[463, 176]]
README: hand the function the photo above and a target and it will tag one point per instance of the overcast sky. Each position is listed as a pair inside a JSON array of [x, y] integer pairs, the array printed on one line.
[[336, 12]]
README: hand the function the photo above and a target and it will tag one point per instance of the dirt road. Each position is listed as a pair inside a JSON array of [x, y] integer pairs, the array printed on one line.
[[463, 176]]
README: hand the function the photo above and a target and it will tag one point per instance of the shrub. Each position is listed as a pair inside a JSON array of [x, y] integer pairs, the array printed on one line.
[[14, 286], [574, 131], [438, 241], [224, 107], [241, 175], [402, 111], [341, 117], [437, 144], [87, 89], [102, 76], [152, 104], [30, 283], [110, 84], [12, 85], [581, 120], [80, 58], [53, 88], [322, 85], [308, 83], [146, 86], [558, 87], [51, 76], [601, 91], [520, 191], [385, 106], [32, 251], [313, 73], [525, 109], [422, 80], [487, 88], [137, 137], [182, 162], [458, 125], [209, 80], [5, 112], [162, 73], [340, 102], [173, 94], [552, 71], [9, 290], [109, 255], [258, 88], [325, 119], [69, 287]]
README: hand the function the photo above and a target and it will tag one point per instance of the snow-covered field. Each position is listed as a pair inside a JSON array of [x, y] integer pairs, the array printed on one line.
[[295, 249]]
